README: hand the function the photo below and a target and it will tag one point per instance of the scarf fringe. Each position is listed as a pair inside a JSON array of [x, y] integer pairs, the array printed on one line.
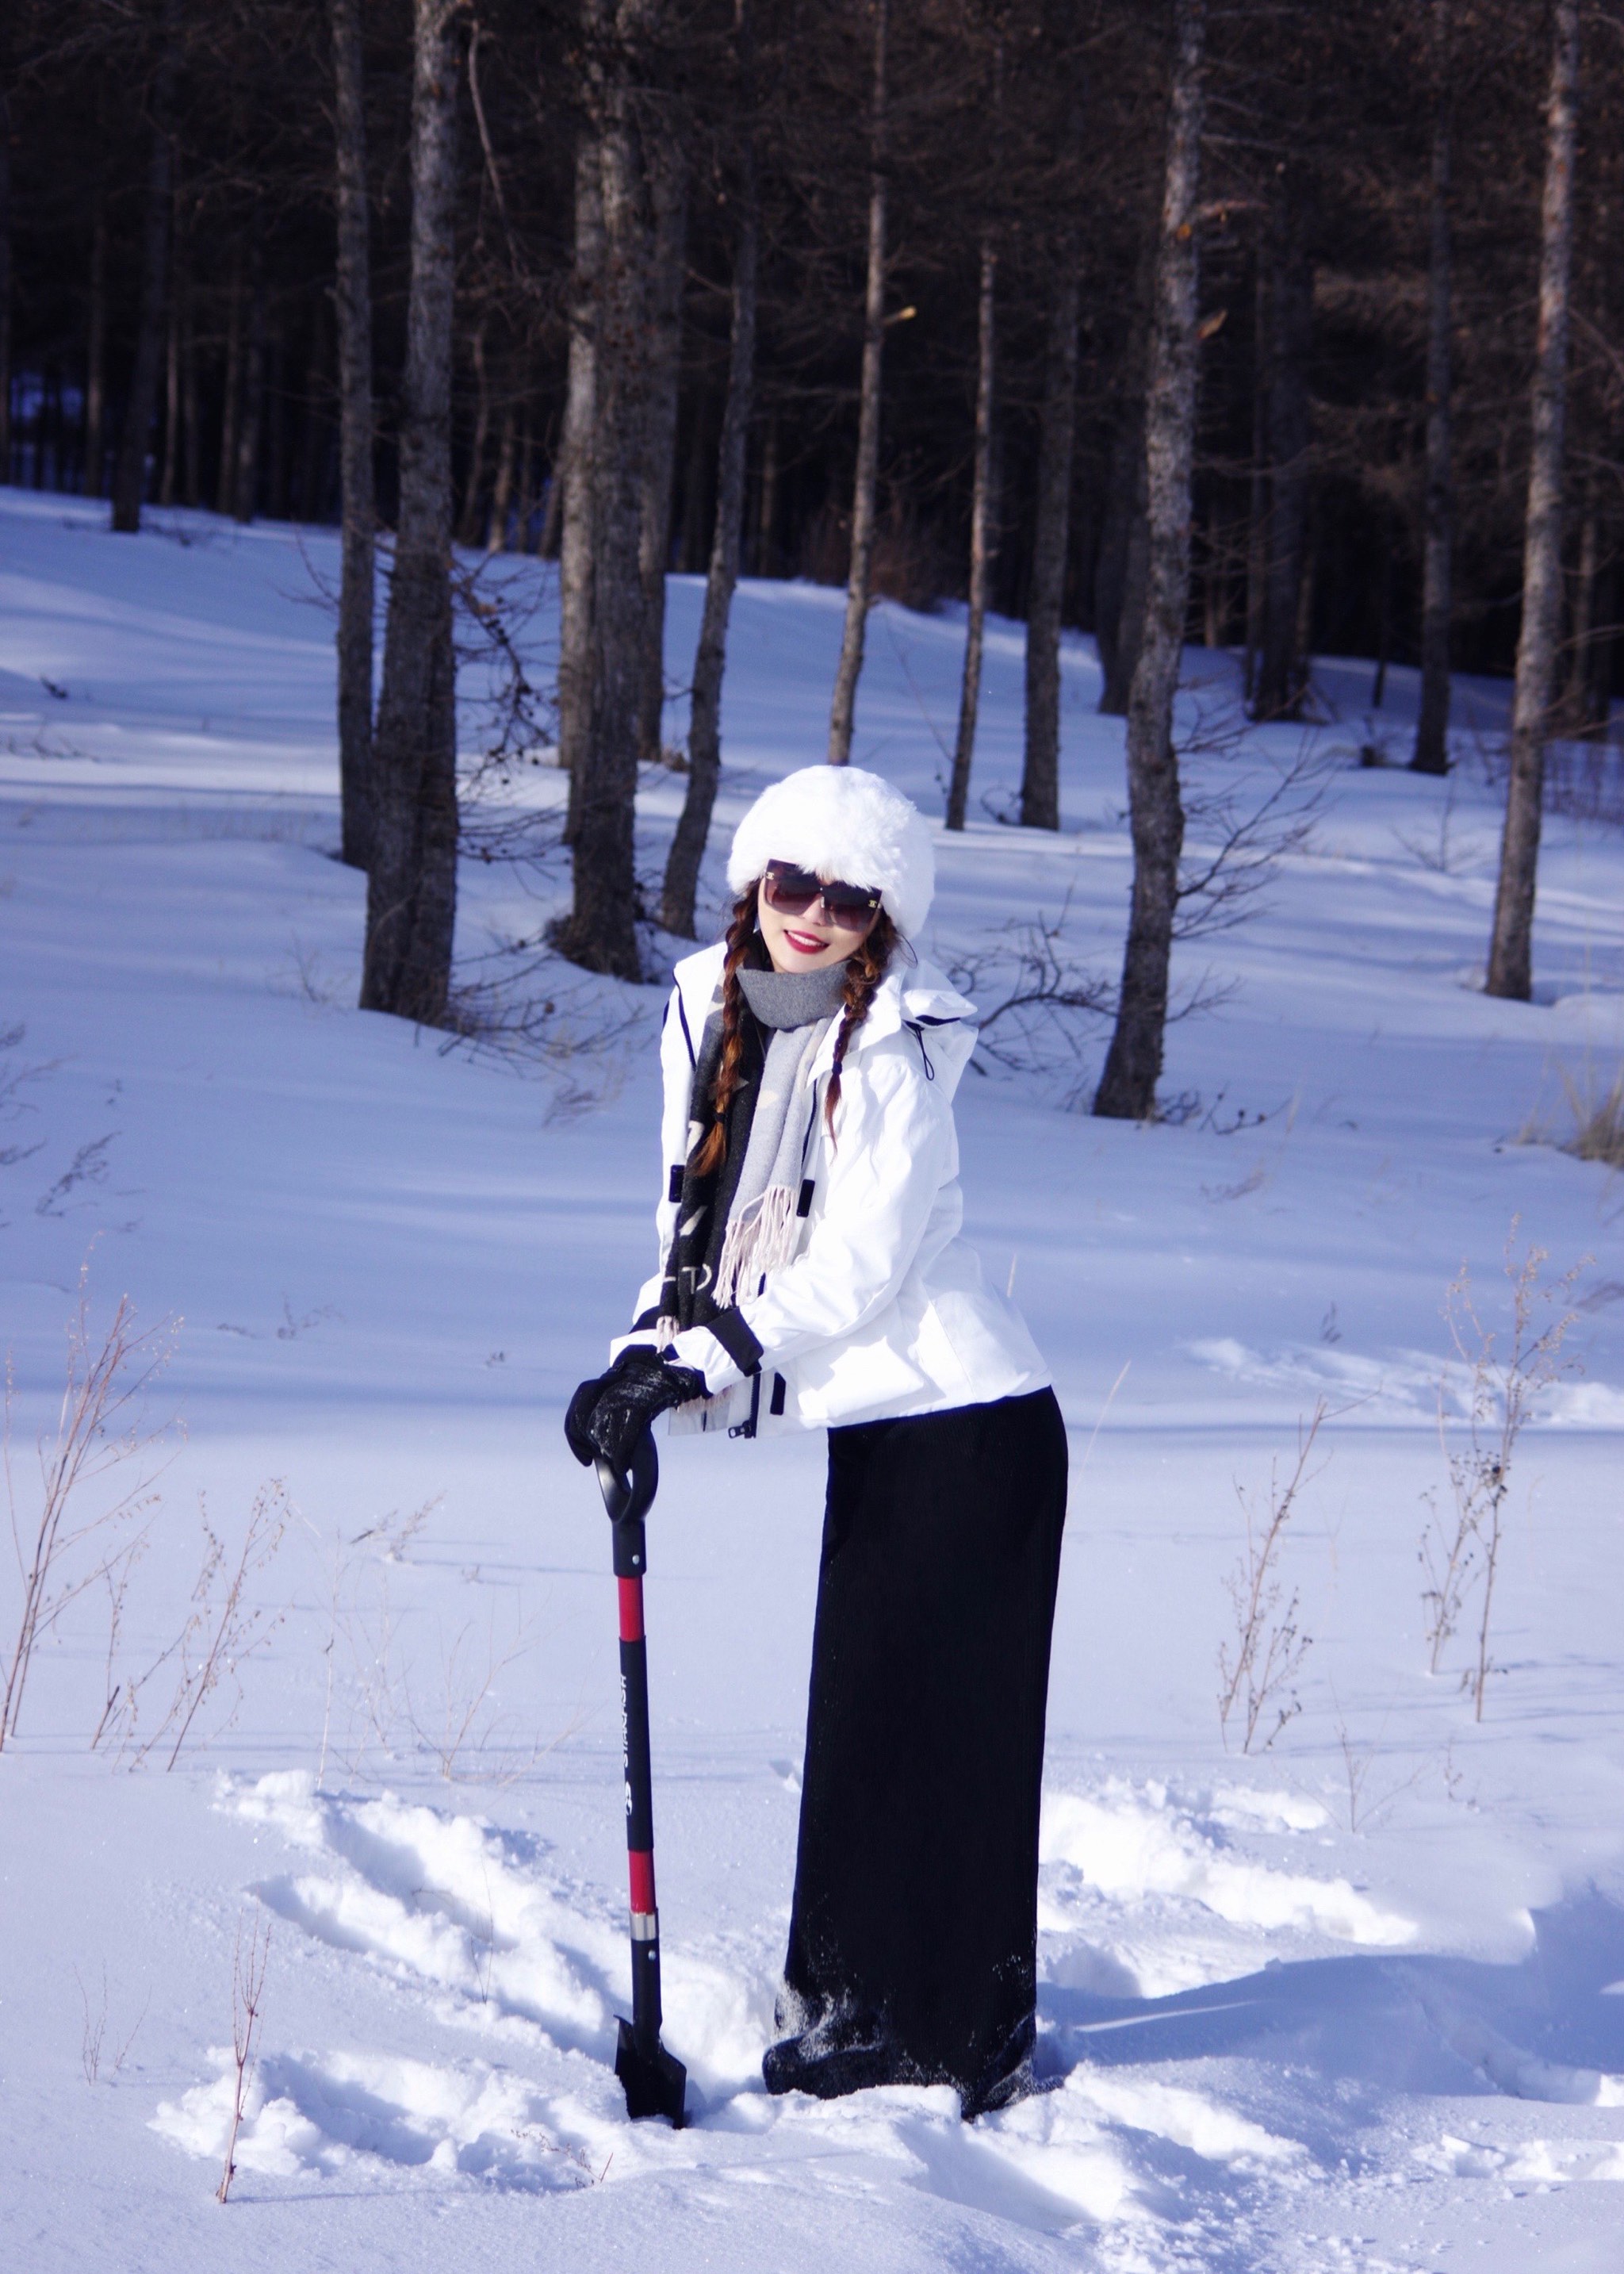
[[756, 1244], [761, 1239]]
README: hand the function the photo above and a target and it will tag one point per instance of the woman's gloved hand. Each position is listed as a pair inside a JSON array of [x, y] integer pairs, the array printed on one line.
[[579, 1413], [609, 1414]]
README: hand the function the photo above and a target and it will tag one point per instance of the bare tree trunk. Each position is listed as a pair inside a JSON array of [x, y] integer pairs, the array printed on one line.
[[231, 387], [275, 419], [669, 184], [865, 488], [573, 476], [1511, 942], [982, 542], [692, 554], [5, 274], [1120, 567], [1574, 706], [312, 425], [704, 737], [1257, 526], [171, 411], [59, 430], [192, 415], [628, 385], [1121, 564], [767, 515], [357, 508], [1386, 538], [170, 475], [1212, 609], [468, 521], [1127, 1088], [525, 506], [1281, 680], [548, 540], [1040, 782], [1306, 585], [501, 488], [130, 474], [411, 888], [94, 472], [1431, 755], [246, 494], [1596, 694]]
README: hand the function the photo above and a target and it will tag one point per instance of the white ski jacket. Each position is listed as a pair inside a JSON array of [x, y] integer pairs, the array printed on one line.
[[883, 1311]]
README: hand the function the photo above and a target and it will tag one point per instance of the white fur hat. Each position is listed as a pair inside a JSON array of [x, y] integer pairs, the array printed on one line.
[[848, 826]]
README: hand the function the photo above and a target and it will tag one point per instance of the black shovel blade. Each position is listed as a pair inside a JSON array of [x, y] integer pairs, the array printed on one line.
[[655, 2083]]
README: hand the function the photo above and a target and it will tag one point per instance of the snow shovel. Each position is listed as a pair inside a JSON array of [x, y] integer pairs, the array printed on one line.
[[654, 2082]]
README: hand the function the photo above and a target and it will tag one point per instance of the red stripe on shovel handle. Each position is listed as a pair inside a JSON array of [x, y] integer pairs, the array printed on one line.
[[631, 1609], [640, 1870]]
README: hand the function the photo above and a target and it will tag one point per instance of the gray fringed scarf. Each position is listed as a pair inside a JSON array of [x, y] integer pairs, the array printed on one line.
[[797, 1008]]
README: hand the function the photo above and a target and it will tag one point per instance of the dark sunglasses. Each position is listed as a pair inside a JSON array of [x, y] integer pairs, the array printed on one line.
[[792, 892]]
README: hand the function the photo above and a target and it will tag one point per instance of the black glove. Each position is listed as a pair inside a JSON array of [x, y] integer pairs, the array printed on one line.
[[609, 1414], [579, 1413]]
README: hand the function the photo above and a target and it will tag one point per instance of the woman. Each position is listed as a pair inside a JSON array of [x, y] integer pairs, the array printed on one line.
[[812, 1277]]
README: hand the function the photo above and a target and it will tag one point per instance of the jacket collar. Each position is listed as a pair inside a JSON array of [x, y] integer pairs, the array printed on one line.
[[912, 993]]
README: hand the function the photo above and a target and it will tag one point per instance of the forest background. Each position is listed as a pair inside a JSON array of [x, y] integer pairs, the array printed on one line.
[[1278, 328]]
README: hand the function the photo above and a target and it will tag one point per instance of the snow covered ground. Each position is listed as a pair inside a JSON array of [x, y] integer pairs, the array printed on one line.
[[1356, 2001]]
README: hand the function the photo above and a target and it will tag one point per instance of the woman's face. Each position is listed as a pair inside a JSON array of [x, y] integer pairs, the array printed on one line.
[[811, 939]]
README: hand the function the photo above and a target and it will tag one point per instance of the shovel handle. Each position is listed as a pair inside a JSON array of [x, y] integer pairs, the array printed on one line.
[[630, 1498], [643, 2064]]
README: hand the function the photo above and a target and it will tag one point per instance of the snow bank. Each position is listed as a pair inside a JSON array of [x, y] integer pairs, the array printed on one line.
[[1132, 1843]]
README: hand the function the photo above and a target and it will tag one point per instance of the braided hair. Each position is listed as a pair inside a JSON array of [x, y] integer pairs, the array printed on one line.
[[741, 932], [865, 969]]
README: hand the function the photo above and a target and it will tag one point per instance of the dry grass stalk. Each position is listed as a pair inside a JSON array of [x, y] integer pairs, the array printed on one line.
[[95, 2031], [1598, 1121], [226, 1637], [97, 1432], [470, 1715], [247, 1997], [1367, 1807], [1597, 1116], [1258, 1678], [360, 1612], [221, 1633], [1461, 1552]]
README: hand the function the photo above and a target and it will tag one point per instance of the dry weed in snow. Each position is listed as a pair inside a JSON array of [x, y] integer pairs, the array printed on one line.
[[363, 1613], [68, 1547], [1460, 1550], [95, 2031], [461, 1728], [1599, 1120], [222, 1630], [247, 1998], [1259, 1672]]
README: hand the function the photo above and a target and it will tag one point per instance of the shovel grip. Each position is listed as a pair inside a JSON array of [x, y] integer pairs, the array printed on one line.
[[628, 1499]]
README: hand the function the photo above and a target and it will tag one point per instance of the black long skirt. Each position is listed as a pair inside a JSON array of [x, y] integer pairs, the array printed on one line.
[[913, 1939]]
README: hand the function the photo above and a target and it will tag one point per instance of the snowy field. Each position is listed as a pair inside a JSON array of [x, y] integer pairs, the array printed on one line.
[[1353, 2001]]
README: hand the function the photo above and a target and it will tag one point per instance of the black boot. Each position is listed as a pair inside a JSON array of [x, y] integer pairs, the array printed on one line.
[[842, 2051]]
